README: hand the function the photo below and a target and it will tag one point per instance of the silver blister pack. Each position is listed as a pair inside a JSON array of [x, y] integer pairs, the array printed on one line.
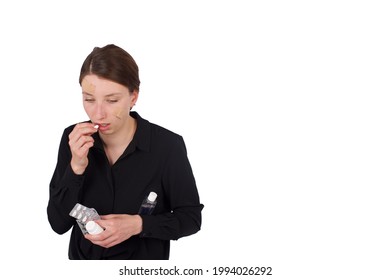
[[83, 215]]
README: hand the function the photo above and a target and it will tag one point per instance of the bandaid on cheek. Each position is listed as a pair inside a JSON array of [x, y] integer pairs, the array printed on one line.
[[118, 114]]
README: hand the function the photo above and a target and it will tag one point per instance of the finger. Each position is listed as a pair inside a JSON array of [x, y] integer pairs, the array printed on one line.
[[84, 149], [106, 243], [107, 223], [108, 217], [100, 223], [110, 244], [82, 129], [82, 145], [104, 239], [100, 237], [82, 141], [88, 129], [88, 125]]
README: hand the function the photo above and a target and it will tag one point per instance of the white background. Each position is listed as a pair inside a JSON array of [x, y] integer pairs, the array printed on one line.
[[284, 107]]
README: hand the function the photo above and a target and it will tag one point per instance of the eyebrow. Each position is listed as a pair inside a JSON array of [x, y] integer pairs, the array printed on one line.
[[107, 95]]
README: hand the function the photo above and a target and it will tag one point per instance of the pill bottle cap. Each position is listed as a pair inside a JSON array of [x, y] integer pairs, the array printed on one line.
[[90, 226], [152, 196], [93, 228]]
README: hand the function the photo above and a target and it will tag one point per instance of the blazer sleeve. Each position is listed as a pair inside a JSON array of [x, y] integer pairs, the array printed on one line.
[[64, 189], [180, 187]]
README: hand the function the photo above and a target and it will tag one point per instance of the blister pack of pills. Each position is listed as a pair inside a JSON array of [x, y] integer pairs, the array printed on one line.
[[83, 215]]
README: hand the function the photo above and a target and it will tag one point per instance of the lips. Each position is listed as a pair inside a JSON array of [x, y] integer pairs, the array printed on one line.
[[103, 126]]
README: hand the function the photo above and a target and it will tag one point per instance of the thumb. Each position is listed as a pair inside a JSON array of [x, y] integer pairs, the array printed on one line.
[[101, 223], [107, 217]]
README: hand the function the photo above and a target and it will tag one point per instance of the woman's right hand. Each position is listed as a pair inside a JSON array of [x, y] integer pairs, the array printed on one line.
[[80, 141]]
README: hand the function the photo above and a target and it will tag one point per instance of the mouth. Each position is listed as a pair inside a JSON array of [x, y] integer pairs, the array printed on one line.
[[103, 126]]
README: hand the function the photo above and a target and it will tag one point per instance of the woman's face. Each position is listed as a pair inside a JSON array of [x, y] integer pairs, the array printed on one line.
[[107, 103]]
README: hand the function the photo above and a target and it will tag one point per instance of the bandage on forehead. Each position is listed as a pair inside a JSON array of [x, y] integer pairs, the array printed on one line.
[[87, 86]]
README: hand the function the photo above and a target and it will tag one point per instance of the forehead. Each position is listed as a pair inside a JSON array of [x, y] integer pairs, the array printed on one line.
[[92, 84]]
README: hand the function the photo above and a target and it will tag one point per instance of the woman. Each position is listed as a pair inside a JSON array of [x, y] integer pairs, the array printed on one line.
[[112, 162]]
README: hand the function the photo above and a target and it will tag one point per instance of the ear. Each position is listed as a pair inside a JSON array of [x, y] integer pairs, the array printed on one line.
[[133, 98]]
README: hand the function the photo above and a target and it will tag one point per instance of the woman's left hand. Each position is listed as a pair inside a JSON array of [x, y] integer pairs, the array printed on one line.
[[118, 228]]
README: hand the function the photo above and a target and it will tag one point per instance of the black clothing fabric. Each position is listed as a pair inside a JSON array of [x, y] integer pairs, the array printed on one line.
[[155, 160]]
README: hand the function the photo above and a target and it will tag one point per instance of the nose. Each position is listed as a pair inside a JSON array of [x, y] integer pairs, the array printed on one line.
[[100, 111]]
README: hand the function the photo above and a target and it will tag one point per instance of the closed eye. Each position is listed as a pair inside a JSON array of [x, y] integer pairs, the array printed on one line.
[[112, 100]]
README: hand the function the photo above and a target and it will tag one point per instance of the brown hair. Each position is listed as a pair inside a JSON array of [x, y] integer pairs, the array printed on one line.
[[114, 64]]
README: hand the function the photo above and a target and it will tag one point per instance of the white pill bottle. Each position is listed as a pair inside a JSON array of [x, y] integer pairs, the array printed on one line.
[[93, 228]]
